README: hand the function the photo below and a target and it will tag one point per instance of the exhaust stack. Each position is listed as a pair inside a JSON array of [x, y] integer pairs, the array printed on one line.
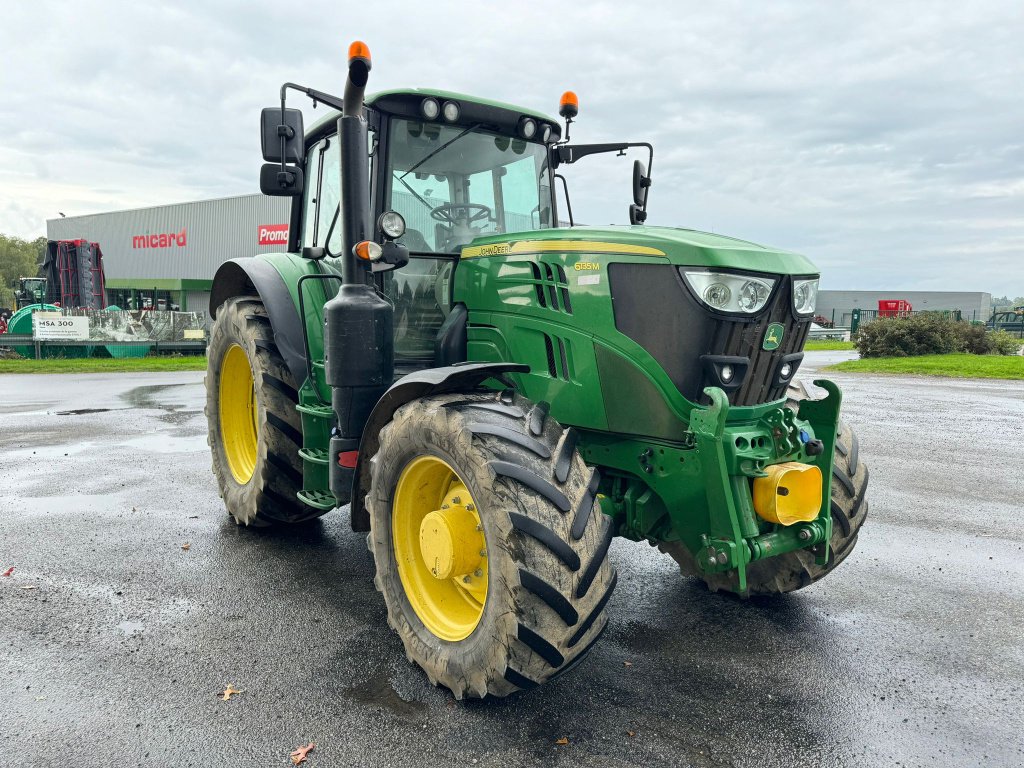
[[359, 356]]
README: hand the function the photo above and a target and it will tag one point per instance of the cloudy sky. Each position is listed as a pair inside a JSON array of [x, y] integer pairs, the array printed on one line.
[[885, 140]]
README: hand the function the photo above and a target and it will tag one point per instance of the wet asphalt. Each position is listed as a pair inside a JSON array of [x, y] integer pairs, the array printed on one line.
[[115, 638]]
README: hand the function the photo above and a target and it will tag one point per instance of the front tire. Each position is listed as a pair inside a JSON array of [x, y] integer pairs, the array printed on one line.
[[529, 602], [254, 430]]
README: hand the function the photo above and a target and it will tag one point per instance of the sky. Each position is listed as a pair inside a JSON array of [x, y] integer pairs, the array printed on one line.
[[883, 140]]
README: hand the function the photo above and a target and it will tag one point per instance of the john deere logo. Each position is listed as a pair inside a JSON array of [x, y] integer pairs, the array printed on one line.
[[773, 336]]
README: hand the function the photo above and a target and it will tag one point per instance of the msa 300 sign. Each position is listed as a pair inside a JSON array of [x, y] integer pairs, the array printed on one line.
[[272, 234], [48, 326]]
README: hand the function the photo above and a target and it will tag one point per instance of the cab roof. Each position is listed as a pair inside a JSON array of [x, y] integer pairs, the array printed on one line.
[[375, 98]]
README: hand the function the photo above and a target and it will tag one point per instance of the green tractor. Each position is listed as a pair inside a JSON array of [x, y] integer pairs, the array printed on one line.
[[31, 290], [497, 395]]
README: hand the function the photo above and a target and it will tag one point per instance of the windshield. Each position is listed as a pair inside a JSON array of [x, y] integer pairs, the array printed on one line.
[[453, 183]]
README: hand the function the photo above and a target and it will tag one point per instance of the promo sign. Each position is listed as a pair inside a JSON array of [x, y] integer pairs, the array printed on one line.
[[272, 234], [47, 326]]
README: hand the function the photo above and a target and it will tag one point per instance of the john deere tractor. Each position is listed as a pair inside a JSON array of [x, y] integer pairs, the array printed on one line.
[[497, 395]]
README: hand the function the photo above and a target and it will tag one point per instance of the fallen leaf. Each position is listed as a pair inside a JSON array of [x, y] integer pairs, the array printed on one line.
[[28, 586], [627, 663], [193, 517], [134, 510], [229, 691], [9, 571], [299, 755], [186, 546], [631, 733], [562, 741]]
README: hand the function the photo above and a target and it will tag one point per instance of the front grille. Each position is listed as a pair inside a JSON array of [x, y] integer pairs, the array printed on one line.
[[745, 339], [654, 308]]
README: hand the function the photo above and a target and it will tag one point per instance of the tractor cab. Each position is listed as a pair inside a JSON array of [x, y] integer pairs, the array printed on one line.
[[454, 169], [31, 290], [453, 183]]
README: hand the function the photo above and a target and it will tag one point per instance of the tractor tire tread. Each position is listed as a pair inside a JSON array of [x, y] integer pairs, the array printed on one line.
[[270, 496], [530, 630]]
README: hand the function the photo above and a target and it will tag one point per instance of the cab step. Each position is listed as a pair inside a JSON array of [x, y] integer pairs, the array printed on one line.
[[315, 455], [318, 411], [318, 499]]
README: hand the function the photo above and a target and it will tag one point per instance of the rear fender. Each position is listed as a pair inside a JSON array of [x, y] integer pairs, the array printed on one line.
[[432, 381]]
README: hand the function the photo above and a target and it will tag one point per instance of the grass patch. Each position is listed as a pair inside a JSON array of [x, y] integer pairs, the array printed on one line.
[[959, 366], [105, 365], [821, 345]]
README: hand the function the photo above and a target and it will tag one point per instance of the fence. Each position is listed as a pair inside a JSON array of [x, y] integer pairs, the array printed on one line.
[[858, 317], [37, 348], [120, 333]]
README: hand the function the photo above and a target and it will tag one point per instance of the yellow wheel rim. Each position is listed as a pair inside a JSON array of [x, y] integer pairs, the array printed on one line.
[[440, 548], [238, 417]]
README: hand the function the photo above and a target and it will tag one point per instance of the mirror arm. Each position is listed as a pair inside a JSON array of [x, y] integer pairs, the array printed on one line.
[[564, 153], [568, 205], [315, 95]]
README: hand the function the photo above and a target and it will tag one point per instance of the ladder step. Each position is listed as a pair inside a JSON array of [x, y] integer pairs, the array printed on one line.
[[318, 499], [315, 455], [319, 411]]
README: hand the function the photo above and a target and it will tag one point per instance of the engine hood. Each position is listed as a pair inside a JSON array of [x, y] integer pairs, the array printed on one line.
[[685, 247]]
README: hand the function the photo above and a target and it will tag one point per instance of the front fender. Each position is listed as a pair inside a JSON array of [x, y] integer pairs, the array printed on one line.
[[432, 381], [260, 276]]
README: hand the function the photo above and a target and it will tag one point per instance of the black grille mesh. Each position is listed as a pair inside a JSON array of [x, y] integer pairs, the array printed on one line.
[[746, 340], [653, 307]]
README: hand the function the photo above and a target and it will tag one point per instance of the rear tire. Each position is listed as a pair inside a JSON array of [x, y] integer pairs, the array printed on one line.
[[796, 570], [256, 464], [548, 578]]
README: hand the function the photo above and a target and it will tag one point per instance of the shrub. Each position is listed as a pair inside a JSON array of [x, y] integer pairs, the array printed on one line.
[[929, 333], [921, 334], [1003, 343], [971, 338]]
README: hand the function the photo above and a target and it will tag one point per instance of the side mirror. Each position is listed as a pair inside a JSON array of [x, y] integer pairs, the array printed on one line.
[[641, 181], [276, 125], [278, 180]]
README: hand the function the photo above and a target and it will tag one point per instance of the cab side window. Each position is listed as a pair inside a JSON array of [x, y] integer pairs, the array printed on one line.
[[323, 194]]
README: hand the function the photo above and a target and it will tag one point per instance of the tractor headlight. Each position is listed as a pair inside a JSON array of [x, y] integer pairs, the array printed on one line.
[[450, 110], [391, 224], [430, 109], [805, 296], [731, 293], [527, 127]]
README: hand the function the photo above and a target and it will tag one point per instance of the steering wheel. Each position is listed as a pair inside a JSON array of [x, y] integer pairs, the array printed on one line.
[[446, 213]]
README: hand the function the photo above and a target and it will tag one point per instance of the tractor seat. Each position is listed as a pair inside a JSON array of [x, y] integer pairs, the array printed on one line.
[[414, 240]]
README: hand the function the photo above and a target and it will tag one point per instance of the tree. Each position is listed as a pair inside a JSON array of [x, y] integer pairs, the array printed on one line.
[[18, 258]]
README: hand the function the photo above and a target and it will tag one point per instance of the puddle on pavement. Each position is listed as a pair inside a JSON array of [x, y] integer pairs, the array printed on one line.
[[168, 444], [149, 397], [40, 452], [377, 691], [131, 627], [94, 504]]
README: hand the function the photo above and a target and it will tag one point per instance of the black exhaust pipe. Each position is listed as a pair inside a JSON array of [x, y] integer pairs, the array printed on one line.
[[359, 355]]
